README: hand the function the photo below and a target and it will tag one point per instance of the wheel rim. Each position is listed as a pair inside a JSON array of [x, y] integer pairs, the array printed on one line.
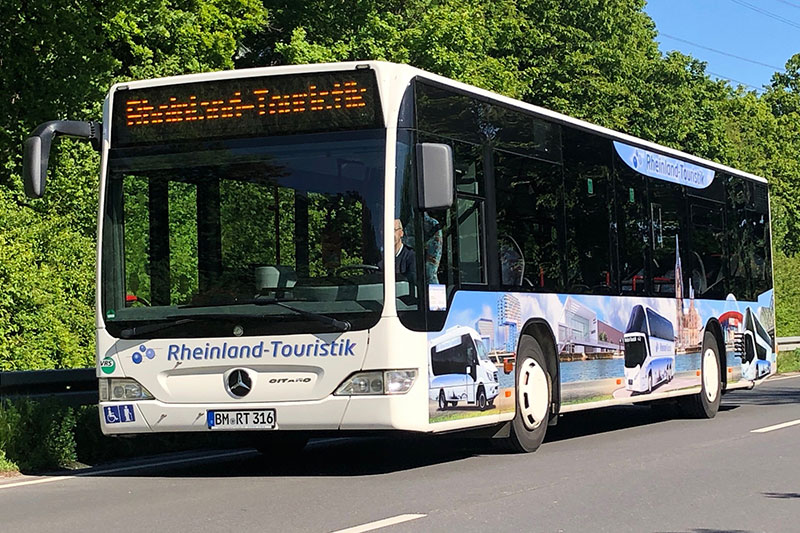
[[532, 394], [710, 374]]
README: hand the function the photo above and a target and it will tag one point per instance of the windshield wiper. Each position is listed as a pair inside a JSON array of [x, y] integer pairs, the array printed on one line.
[[179, 320], [127, 333], [342, 325]]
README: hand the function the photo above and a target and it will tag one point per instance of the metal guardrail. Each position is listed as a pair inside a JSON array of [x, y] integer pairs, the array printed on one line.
[[786, 344], [72, 387]]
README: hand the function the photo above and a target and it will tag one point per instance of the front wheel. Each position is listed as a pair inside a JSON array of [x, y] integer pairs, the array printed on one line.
[[442, 401], [533, 397], [481, 399], [705, 404]]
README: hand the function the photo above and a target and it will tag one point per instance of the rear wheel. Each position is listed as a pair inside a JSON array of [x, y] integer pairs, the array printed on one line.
[[533, 396], [705, 404], [442, 401]]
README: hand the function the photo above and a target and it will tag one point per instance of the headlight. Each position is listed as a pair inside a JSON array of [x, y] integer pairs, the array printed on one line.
[[122, 389], [378, 382]]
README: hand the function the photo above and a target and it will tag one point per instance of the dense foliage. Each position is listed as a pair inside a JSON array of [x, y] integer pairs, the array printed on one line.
[[593, 59]]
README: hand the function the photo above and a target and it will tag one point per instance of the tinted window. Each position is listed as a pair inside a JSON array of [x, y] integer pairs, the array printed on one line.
[[453, 359], [529, 197], [666, 216], [660, 327], [706, 268], [748, 238], [633, 228], [589, 198]]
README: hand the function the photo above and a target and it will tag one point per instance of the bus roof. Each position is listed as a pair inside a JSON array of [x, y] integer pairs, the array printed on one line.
[[408, 72]]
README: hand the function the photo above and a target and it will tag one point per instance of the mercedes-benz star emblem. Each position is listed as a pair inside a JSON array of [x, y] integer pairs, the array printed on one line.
[[239, 383]]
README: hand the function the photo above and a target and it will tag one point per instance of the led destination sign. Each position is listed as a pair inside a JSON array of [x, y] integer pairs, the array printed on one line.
[[260, 106]]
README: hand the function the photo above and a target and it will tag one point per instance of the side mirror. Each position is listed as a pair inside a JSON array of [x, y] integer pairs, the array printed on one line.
[[37, 150], [435, 163]]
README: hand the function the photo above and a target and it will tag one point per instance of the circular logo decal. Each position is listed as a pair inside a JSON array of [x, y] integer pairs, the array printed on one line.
[[107, 365]]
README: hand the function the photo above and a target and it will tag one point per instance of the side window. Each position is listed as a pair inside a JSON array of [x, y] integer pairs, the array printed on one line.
[[633, 228], [470, 240], [529, 221], [470, 201], [706, 268], [666, 216], [748, 238], [453, 240], [589, 198]]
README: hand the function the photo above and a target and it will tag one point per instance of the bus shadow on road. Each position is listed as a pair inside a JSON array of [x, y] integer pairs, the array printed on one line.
[[607, 419], [384, 454], [772, 395]]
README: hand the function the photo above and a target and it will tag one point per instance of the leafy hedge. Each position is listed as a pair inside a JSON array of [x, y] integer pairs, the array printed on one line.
[[37, 436]]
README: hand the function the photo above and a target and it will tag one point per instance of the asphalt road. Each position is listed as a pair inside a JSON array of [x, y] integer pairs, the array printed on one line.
[[617, 469]]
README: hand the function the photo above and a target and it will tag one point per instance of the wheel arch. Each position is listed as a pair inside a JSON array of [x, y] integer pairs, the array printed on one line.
[[713, 326], [540, 330]]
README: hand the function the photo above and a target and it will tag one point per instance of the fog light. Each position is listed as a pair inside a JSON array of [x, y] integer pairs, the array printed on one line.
[[399, 381], [117, 389]]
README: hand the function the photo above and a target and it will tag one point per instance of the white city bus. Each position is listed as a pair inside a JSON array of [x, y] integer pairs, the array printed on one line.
[[248, 280], [461, 371], [649, 350]]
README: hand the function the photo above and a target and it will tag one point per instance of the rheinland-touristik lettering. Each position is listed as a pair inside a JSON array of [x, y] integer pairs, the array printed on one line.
[[337, 348]]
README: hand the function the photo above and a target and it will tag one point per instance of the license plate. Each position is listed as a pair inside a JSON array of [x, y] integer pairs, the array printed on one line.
[[242, 419]]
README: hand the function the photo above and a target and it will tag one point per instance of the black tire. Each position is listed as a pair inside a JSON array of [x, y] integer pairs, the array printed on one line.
[[705, 404], [442, 400], [280, 445], [526, 433], [480, 399], [453, 404]]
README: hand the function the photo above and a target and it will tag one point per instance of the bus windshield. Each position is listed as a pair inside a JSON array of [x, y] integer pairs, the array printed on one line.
[[204, 227]]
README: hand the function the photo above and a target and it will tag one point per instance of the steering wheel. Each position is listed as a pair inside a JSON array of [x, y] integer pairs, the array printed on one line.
[[365, 268]]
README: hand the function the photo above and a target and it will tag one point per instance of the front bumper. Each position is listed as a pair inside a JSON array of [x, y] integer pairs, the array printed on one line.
[[332, 413]]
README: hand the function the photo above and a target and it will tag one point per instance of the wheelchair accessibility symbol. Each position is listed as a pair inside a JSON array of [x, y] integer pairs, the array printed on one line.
[[116, 414]]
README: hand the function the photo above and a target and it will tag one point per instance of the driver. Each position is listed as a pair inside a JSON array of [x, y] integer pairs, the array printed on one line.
[[405, 261]]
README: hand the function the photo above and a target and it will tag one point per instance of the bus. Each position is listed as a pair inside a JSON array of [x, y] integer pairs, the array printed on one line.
[[247, 279], [649, 350], [460, 370]]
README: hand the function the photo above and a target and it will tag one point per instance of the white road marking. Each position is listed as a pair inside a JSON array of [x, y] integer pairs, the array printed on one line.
[[386, 522], [138, 466], [776, 426]]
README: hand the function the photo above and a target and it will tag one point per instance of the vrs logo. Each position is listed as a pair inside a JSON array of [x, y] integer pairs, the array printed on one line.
[[143, 351]]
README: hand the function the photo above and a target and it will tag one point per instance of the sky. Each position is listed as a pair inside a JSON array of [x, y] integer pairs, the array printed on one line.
[[762, 34]]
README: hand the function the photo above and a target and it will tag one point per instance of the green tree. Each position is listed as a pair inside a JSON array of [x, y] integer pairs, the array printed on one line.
[[57, 60]]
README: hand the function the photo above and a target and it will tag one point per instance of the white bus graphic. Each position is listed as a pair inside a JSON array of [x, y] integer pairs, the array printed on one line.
[[649, 350], [754, 345], [460, 370]]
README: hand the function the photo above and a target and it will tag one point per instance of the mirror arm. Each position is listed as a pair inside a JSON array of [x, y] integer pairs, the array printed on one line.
[[37, 149]]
